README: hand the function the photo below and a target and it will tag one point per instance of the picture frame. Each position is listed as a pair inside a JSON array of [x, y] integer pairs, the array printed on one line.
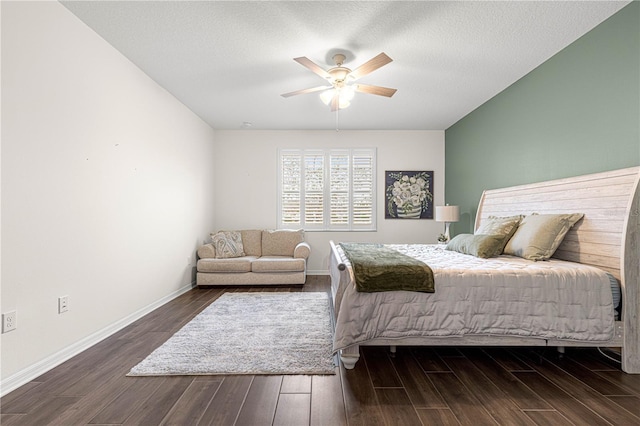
[[408, 194]]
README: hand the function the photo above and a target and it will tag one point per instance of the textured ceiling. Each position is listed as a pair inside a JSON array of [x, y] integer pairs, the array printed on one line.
[[229, 61]]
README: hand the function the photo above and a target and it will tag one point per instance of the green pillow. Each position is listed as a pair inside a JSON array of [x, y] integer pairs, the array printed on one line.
[[539, 235], [477, 245], [503, 226]]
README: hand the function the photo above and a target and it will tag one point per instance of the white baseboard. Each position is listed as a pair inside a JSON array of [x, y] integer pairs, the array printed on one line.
[[318, 272], [24, 376]]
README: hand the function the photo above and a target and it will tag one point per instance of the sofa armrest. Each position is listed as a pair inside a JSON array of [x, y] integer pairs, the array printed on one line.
[[207, 251], [302, 250]]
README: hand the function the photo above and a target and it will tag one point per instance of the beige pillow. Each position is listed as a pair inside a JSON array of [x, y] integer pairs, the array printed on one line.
[[227, 244], [280, 242], [504, 226], [477, 245], [539, 235], [252, 242]]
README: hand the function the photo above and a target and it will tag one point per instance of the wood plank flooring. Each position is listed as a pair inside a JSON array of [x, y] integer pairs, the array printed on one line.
[[417, 386]]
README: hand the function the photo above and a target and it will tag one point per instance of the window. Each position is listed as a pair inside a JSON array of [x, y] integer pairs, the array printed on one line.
[[331, 190]]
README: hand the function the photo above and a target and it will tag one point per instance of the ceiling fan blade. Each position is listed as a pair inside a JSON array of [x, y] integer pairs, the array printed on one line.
[[371, 65], [306, 62], [375, 90], [304, 91]]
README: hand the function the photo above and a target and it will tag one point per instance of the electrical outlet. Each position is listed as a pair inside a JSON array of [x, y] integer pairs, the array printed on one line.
[[63, 304], [9, 321], [188, 260]]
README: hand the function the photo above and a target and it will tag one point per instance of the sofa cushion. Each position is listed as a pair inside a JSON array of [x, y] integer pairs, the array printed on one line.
[[252, 242], [277, 264], [235, 264], [250, 278], [227, 244], [280, 242]]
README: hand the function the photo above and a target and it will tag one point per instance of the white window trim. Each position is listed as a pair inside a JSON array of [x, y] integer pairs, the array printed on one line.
[[327, 226]]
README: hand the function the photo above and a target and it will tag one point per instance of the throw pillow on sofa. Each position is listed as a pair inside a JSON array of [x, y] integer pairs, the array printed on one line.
[[227, 244], [281, 242], [252, 242]]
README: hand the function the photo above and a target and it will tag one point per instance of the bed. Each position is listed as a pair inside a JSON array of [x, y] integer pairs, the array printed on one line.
[[602, 247]]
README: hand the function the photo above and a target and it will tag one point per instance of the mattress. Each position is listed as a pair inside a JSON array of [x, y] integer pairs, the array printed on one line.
[[501, 296]]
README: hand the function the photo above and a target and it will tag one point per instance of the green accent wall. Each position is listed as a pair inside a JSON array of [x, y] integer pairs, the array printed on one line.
[[577, 113]]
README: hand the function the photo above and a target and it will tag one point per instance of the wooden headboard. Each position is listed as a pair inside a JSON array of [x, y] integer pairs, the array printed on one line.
[[606, 199]]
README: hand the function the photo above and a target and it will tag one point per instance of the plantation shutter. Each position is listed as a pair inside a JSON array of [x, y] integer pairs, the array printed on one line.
[[363, 191], [339, 189], [330, 189], [291, 194], [313, 189]]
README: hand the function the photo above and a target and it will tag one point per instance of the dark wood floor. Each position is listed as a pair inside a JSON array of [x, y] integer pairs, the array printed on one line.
[[419, 386]]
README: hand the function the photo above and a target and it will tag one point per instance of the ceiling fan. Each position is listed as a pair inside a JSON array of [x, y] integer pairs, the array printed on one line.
[[341, 89]]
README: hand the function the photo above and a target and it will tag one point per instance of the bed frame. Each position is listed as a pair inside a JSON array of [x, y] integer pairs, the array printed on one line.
[[608, 237]]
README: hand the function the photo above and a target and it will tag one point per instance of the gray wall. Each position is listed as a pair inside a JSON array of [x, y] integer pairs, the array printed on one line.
[[577, 113]]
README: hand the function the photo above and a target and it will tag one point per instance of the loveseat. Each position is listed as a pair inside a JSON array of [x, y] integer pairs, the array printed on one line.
[[253, 257]]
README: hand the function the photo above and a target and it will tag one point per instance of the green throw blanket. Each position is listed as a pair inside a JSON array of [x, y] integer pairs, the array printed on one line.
[[379, 268]]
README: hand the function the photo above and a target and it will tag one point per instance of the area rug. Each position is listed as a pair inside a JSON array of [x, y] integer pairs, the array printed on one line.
[[250, 333]]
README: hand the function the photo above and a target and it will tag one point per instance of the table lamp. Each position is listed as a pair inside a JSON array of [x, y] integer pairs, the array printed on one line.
[[447, 214]]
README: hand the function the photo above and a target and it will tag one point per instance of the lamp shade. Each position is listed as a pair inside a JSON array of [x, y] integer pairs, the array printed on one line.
[[447, 213]]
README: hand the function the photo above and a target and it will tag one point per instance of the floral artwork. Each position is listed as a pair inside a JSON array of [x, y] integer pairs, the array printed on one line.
[[409, 195]]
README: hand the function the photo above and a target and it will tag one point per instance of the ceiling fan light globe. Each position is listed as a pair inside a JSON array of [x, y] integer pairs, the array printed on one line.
[[347, 93], [327, 95]]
